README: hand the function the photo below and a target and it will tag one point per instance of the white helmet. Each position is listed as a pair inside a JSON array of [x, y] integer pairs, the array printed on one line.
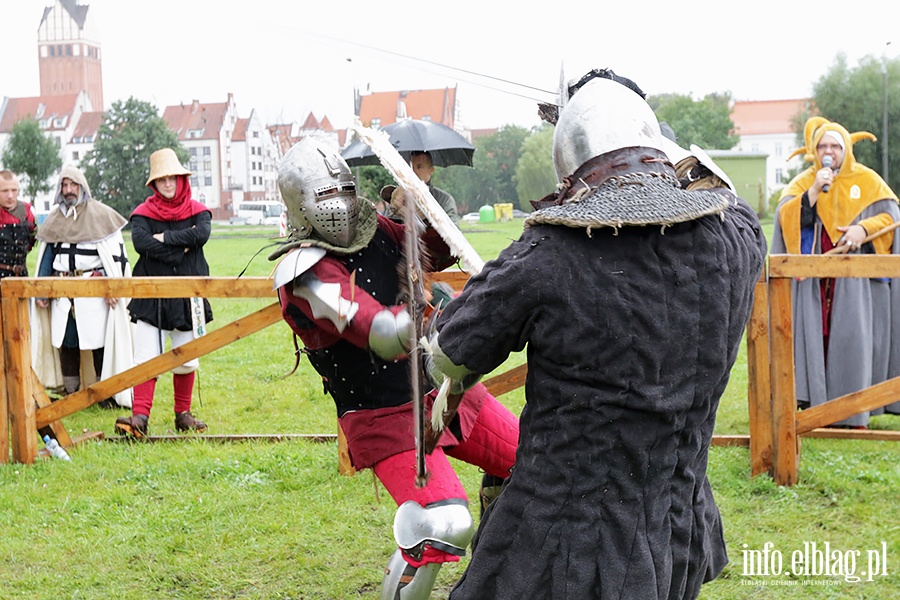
[[319, 192], [602, 116]]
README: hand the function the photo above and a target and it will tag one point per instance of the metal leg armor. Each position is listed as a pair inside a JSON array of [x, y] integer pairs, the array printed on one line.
[[402, 581], [446, 526]]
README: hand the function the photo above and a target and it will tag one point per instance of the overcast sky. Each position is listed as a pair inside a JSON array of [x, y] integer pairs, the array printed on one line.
[[287, 58]]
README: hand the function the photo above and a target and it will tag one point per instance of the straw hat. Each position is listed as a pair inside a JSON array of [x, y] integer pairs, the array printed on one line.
[[164, 163]]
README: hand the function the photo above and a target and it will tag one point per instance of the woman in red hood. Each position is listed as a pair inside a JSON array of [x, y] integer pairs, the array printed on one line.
[[168, 231]]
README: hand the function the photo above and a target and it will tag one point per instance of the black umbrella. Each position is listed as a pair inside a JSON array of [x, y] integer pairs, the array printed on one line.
[[446, 146]]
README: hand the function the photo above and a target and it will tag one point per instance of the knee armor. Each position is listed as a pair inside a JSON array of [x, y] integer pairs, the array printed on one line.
[[445, 525]]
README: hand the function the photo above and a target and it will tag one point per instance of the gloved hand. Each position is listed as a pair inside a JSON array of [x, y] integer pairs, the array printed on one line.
[[441, 294]]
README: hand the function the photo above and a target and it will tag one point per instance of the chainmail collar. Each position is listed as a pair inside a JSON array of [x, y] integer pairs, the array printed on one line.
[[628, 186]]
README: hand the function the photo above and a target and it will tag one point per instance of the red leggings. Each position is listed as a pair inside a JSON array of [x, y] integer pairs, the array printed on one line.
[[491, 446]]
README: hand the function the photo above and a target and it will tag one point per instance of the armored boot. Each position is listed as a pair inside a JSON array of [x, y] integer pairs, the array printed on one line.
[[185, 421], [402, 581], [135, 426]]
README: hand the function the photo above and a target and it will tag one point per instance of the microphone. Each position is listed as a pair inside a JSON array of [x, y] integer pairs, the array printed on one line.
[[826, 162]]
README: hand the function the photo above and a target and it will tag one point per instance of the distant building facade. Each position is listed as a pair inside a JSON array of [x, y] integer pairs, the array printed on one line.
[[768, 127], [378, 109]]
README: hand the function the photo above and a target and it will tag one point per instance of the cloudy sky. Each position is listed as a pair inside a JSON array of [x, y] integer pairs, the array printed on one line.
[[287, 58]]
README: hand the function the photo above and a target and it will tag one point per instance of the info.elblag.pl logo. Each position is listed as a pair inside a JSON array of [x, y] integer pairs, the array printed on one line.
[[815, 559]]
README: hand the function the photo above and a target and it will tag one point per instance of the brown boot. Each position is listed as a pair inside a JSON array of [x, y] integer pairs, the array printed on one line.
[[186, 422], [135, 426]]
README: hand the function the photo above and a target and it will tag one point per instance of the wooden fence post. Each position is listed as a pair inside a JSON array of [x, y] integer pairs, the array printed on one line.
[[759, 384], [4, 399], [19, 385], [785, 443]]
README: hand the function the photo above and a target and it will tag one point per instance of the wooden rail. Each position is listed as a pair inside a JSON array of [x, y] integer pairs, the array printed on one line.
[[24, 405], [775, 423], [776, 426]]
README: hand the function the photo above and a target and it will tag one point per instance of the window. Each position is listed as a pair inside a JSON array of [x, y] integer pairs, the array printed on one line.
[[754, 148], [75, 156], [779, 176], [194, 181], [778, 149], [256, 134], [376, 123], [208, 180], [193, 151], [205, 150]]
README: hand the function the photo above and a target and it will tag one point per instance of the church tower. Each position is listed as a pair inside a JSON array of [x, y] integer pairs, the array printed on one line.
[[69, 52]]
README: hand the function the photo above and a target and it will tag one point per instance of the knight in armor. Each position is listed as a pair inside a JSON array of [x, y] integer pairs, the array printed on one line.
[[168, 230], [631, 295], [81, 237], [338, 285], [17, 228]]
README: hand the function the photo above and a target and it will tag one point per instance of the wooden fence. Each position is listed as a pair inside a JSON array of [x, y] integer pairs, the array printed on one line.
[[775, 424]]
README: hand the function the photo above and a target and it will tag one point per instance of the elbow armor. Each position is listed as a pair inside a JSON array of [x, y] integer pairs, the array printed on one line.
[[389, 335]]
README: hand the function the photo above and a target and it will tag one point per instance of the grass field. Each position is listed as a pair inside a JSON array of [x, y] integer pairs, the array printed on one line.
[[195, 519]]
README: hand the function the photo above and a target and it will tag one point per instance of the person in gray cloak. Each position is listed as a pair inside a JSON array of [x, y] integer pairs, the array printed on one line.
[[630, 296], [81, 237], [847, 330]]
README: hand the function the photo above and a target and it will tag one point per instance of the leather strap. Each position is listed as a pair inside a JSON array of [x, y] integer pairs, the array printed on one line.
[[593, 173]]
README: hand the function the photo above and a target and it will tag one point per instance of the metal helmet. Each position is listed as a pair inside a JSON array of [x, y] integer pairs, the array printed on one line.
[[602, 116], [319, 192]]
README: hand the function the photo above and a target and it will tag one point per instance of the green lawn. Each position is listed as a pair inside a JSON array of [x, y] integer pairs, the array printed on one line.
[[257, 520]]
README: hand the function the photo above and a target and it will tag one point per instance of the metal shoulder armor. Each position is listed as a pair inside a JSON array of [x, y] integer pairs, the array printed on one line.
[[295, 264]]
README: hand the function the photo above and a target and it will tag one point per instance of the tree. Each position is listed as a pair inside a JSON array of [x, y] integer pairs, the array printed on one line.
[[117, 167], [493, 178], [535, 174], [855, 99], [370, 180], [705, 122], [33, 154]]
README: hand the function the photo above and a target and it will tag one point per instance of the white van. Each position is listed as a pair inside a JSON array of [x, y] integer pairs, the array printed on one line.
[[258, 213]]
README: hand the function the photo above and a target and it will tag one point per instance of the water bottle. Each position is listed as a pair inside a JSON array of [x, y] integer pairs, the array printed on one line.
[[55, 449]]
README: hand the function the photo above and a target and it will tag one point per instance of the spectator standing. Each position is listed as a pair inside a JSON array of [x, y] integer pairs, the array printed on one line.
[[81, 237], [169, 230], [423, 166], [17, 227], [846, 330]]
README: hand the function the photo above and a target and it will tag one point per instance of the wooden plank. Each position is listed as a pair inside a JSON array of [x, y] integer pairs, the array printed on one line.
[[759, 385], [456, 279], [843, 265], [138, 287], [211, 341], [848, 405], [785, 446], [42, 399], [731, 440], [855, 434], [16, 336], [508, 381], [4, 398]]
